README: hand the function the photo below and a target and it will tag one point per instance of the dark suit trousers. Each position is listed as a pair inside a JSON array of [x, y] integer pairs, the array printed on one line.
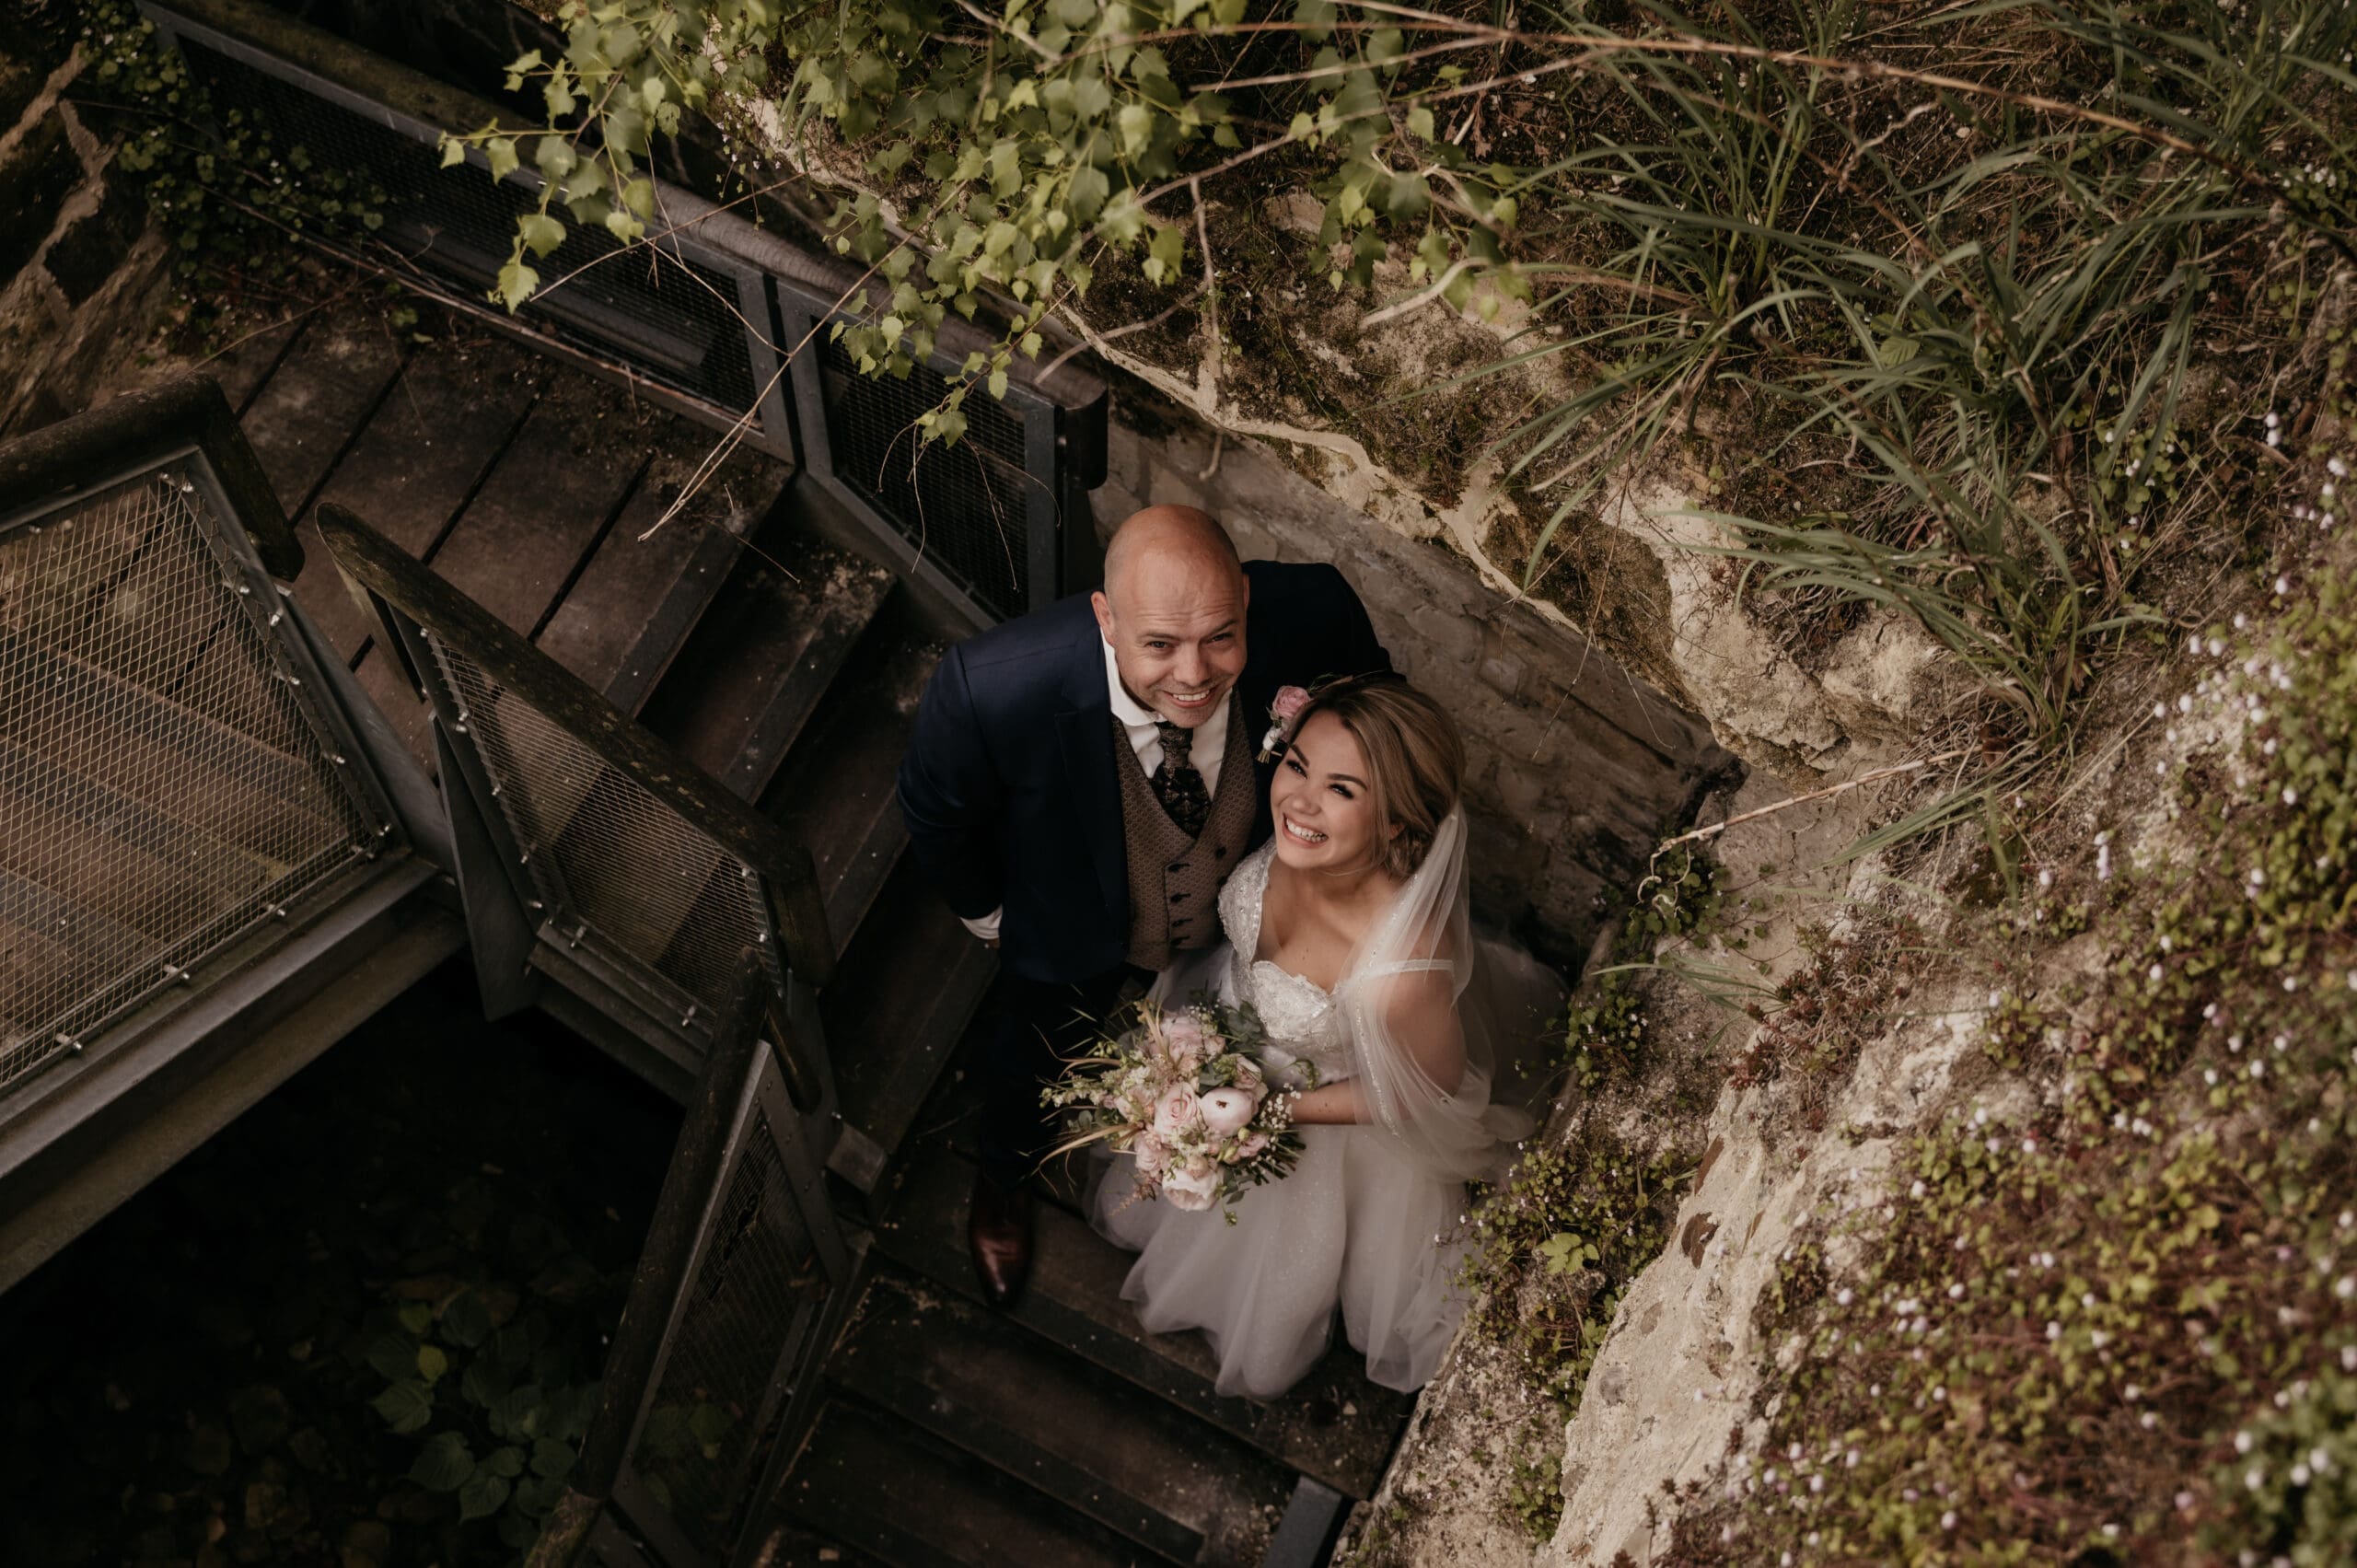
[[1032, 1028]]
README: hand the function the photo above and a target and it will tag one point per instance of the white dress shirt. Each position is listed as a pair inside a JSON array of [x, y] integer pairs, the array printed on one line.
[[1138, 721]]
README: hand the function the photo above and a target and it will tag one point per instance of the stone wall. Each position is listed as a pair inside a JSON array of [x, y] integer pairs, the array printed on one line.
[[81, 278], [1574, 765]]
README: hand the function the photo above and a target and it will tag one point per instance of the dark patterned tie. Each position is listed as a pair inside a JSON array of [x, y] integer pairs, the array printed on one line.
[[1177, 783]]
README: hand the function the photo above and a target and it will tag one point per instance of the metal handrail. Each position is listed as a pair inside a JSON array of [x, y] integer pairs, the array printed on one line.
[[580, 711], [786, 292]]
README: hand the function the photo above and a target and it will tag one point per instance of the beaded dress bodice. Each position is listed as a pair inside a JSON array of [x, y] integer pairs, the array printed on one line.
[[1300, 1015]]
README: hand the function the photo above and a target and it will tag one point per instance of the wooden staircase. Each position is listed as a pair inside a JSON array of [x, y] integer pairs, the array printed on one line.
[[768, 646]]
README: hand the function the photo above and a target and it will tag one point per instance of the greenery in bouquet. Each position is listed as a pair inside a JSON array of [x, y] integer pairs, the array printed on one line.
[[1190, 1095]]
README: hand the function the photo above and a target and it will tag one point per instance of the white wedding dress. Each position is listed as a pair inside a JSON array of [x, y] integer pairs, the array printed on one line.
[[1371, 1218]]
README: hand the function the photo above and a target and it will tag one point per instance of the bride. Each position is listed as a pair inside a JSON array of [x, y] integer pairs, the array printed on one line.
[[1347, 932]]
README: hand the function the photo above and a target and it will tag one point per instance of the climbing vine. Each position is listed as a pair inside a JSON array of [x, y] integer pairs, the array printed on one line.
[[228, 188]]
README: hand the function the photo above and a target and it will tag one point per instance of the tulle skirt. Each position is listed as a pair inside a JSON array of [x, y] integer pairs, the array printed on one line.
[[1354, 1225]]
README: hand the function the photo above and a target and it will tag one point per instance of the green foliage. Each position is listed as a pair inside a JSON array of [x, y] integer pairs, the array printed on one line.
[[2290, 1486], [1534, 1479], [2120, 1316], [494, 1397], [998, 154], [1968, 320], [1559, 1243], [1603, 1036], [1821, 1018], [228, 189]]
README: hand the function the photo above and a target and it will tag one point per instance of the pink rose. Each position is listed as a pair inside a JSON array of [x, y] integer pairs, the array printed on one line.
[[1151, 1154], [1288, 704], [1250, 1144], [1227, 1110], [1190, 1191], [1176, 1113], [1185, 1041]]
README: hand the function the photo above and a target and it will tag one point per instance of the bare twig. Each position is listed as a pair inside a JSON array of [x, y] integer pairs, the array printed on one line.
[[1419, 299], [1211, 365], [1715, 829]]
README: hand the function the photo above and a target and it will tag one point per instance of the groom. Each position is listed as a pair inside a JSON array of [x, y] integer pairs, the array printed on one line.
[[1080, 783]]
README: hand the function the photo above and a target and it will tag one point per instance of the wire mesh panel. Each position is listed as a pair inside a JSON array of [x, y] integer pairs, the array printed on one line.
[[611, 863], [966, 508], [679, 321], [162, 788], [753, 1296]]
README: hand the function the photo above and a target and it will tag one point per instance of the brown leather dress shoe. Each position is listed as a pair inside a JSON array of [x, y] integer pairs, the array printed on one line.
[[998, 1233]]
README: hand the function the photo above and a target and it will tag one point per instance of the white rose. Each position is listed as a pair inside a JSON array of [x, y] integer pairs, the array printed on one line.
[[1227, 1110], [1192, 1190]]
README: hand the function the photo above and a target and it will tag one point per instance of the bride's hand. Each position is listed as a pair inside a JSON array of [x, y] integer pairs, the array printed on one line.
[[1335, 1104]]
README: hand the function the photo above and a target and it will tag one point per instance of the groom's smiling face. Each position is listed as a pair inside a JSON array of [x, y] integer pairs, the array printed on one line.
[[1173, 610]]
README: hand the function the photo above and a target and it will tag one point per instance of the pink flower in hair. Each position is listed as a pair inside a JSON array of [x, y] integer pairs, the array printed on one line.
[[1284, 712]]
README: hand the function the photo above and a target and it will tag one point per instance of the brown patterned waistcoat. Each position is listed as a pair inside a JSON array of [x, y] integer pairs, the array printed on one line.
[[1173, 880]]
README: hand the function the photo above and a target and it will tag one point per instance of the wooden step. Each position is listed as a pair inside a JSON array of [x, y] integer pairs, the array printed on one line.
[[906, 990], [243, 365], [547, 502], [892, 1491], [86, 944], [148, 837], [316, 398], [757, 665], [637, 601], [169, 759], [1334, 1425], [407, 473], [836, 793], [1132, 1462], [792, 1544], [34, 974]]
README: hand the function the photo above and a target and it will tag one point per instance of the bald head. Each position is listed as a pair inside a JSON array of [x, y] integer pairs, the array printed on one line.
[[1167, 540], [1172, 610]]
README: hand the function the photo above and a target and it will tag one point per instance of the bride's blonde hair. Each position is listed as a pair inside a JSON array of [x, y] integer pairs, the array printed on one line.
[[1415, 759]]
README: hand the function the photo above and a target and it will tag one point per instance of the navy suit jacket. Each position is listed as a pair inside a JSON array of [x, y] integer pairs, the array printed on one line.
[[1008, 785]]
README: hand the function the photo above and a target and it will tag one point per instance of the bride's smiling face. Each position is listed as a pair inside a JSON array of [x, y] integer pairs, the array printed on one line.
[[1324, 811]]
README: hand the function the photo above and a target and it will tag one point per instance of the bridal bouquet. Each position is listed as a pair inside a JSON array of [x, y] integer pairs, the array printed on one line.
[[1184, 1093]]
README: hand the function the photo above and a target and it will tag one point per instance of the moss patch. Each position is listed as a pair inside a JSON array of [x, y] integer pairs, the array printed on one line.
[[2116, 1318]]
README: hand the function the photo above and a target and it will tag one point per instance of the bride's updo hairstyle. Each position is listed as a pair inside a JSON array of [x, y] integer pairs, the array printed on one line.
[[1415, 759]]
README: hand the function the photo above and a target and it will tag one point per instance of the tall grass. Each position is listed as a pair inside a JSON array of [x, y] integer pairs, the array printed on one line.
[[1986, 311]]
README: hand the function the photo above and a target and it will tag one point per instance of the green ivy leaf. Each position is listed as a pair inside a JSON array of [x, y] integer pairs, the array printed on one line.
[[517, 1415], [481, 1496], [500, 150], [484, 1384], [551, 1458], [709, 1424], [540, 232], [454, 151], [406, 1406], [416, 1316], [466, 1323], [444, 1463], [432, 1363], [1165, 255], [507, 1462], [516, 282], [392, 1357]]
